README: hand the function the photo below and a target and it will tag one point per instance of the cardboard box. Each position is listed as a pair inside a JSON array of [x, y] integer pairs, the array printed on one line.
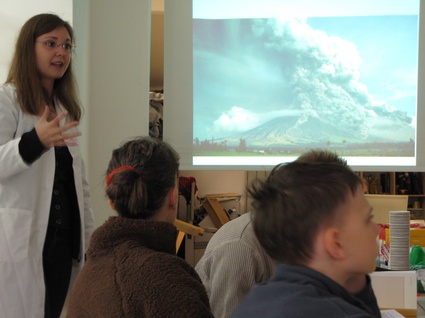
[[417, 237], [396, 290]]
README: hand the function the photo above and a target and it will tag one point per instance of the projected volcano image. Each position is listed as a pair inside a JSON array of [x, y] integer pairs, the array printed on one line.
[[281, 86]]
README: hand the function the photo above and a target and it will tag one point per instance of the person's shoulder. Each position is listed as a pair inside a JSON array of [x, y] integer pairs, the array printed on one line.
[[243, 230], [230, 233], [8, 98], [234, 227], [8, 89], [162, 260], [169, 267], [295, 300]]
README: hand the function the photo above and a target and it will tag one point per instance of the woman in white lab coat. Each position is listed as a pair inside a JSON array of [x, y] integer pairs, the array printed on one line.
[[45, 214]]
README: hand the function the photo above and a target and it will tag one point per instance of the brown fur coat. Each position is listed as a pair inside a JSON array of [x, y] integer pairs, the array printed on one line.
[[132, 271]]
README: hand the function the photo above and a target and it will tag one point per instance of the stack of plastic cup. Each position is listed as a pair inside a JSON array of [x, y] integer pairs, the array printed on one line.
[[399, 240]]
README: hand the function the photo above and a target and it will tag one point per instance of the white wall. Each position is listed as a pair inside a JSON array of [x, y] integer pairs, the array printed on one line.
[[112, 67]]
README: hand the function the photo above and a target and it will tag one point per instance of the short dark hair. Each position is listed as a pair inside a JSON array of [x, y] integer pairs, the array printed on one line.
[[139, 194], [323, 156], [294, 201]]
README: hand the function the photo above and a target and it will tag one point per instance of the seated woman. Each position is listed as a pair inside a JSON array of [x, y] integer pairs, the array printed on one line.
[[131, 268]]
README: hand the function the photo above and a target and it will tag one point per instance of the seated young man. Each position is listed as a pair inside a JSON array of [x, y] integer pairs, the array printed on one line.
[[234, 260], [314, 221]]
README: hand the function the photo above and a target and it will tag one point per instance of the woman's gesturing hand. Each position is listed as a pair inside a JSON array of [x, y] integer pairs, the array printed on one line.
[[51, 134]]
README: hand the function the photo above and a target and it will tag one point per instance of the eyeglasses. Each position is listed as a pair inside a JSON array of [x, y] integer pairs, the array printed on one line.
[[68, 47]]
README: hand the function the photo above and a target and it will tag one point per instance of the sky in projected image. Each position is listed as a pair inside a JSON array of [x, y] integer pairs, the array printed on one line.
[[319, 80]]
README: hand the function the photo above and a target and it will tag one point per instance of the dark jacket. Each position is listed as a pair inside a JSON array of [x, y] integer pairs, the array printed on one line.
[[300, 292], [132, 271]]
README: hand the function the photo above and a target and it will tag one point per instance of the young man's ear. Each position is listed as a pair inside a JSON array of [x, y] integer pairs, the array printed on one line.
[[333, 244]]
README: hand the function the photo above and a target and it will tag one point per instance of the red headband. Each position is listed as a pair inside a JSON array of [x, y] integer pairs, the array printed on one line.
[[113, 172]]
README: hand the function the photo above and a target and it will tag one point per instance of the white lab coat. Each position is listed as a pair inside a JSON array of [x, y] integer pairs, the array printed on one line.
[[25, 195]]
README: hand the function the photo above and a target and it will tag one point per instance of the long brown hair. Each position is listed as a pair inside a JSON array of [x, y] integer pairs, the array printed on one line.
[[23, 73]]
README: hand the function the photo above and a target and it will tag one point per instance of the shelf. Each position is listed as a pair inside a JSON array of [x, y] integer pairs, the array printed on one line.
[[387, 183]]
